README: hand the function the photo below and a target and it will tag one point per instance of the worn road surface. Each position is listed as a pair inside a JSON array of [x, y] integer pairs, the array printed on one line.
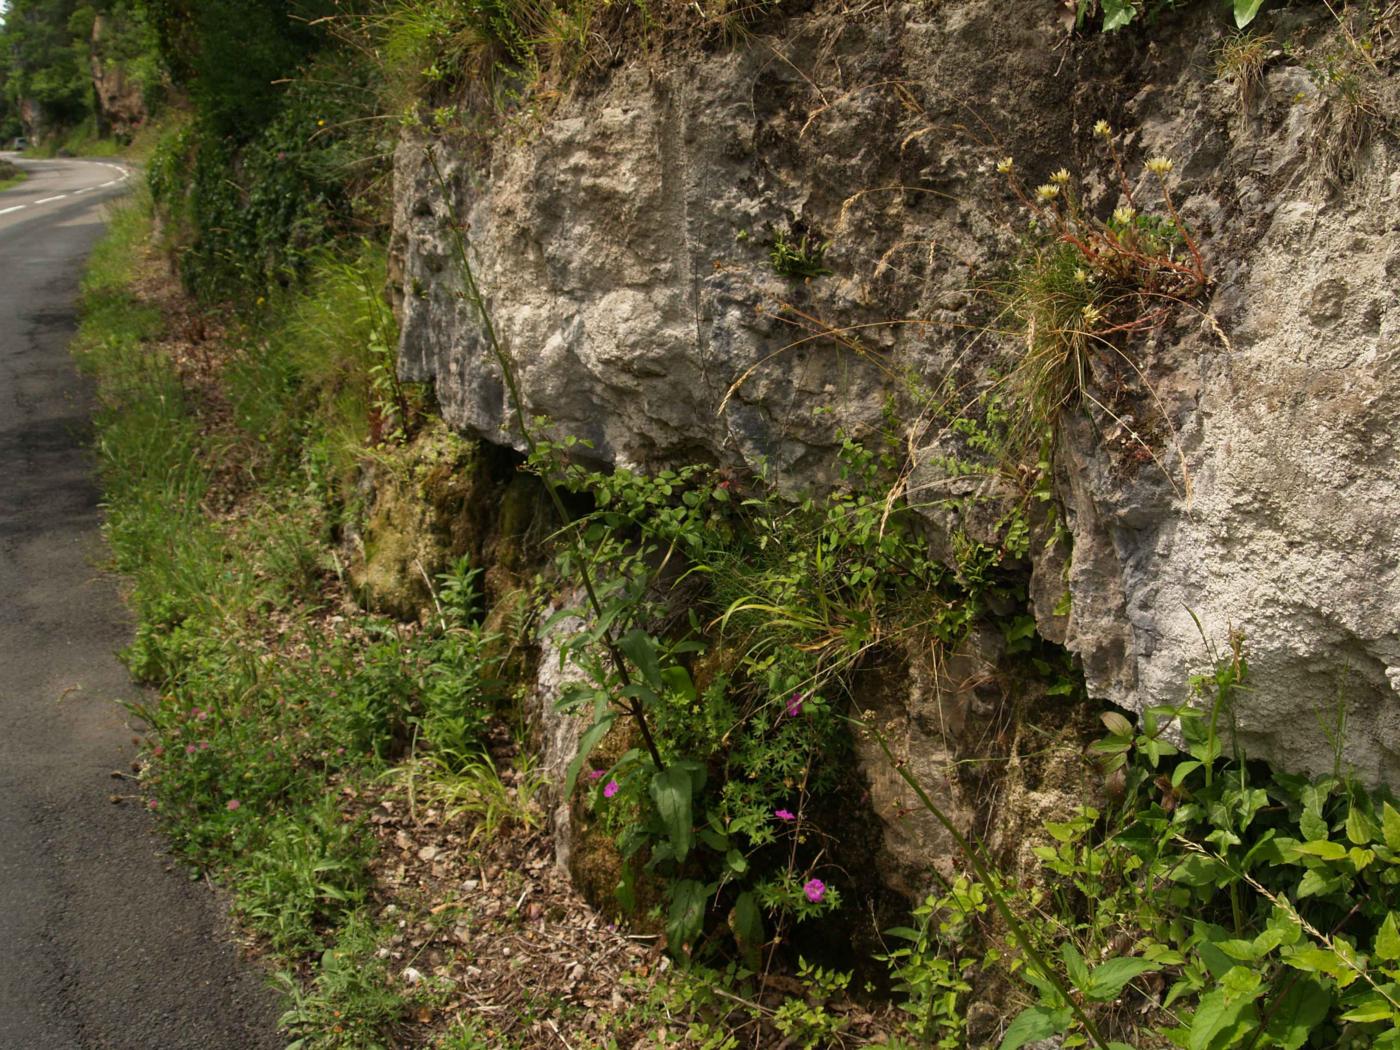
[[105, 943]]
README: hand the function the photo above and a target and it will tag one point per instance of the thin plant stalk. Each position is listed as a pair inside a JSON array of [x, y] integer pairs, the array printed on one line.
[[988, 878], [633, 705]]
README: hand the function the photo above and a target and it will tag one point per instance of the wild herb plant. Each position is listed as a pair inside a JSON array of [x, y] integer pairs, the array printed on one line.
[[1084, 288], [1115, 14], [1217, 905], [802, 259]]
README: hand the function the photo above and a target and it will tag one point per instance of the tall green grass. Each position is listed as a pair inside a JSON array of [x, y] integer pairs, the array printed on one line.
[[223, 464]]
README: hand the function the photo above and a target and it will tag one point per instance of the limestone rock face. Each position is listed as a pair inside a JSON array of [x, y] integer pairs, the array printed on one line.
[[623, 245], [121, 104], [1285, 526]]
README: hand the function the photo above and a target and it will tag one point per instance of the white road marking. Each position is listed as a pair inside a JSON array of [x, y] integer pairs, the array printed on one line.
[[106, 184], [17, 207], [47, 199]]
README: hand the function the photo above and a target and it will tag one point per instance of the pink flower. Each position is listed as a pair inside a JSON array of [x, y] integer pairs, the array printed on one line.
[[794, 706], [204, 745], [158, 751], [233, 804], [153, 804], [610, 789], [190, 749], [784, 815], [595, 774], [815, 890]]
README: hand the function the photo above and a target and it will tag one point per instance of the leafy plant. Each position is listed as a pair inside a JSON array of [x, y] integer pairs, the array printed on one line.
[[1115, 14], [800, 260], [1084, 286]]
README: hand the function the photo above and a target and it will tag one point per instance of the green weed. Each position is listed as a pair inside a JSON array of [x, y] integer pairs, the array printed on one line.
[[802, 259], [351, 1003], [1084, 287]]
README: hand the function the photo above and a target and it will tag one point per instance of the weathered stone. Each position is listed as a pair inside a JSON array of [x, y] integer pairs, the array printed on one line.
[[623, 250]]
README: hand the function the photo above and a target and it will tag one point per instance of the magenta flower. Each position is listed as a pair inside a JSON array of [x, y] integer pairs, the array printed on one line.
[[153, 804], [190, 749], [784, 815], [233, 804], [815, 890], [595, 774], [610, 789], [794, 706]]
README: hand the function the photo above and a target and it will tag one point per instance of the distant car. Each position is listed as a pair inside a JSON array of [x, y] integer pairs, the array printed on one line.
[[20, 143]]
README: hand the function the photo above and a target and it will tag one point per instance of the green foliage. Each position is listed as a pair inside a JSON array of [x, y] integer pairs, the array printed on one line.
[[251, 737], [40, 61], [1084, 286], [1237, 907], [252, 213], [46, 50], [786, 599], [930, 970], [230, 56], [351, 1003], [801, 260], [806, 1021], [1115, 14]]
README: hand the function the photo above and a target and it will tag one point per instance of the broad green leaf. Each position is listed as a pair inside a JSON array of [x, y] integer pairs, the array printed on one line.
[[1240, 950], [746, 921], [671, 790], [688, 899], [1029, 1025], [586, 743], [1316, 883], [1217, 1015], [1387, 947], [1107, 979], [736, 862], [716, 840], [1075, 966], [1196, 870], [1117, 13], [1390, 826], [1245, 10], [1316, 960], [1360, 858], [1116, 723], [903, 933], [639, 647], [1312, 825], [1297, 1012], [1360, 830], [1323, 848], [1184, 770], [1369, 1012], [1216, 961], [1242, 982]]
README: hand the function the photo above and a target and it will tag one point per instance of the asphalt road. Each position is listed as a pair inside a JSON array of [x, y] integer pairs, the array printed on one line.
[[105, 942]]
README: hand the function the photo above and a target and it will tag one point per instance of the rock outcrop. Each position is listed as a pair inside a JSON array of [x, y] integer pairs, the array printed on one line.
[[624, 244], [121, 102]]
